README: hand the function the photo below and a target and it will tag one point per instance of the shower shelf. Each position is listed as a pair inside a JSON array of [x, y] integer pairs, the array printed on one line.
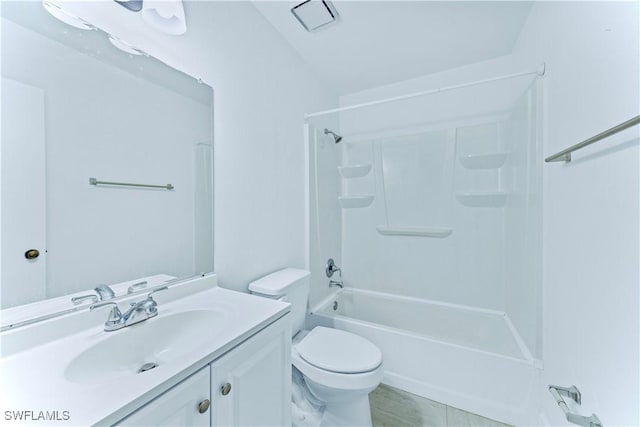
[[355, 171], [492, 199], [483, 161], [437, 232], [350, 202]]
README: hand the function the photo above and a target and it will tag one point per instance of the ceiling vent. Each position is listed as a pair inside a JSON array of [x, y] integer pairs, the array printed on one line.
[[315, 14]]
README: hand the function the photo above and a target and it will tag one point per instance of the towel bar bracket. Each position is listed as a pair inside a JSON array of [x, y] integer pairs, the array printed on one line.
[[562, 158], [574, 394], [571, 392]]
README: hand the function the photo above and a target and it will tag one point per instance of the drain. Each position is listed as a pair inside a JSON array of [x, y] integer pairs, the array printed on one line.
[[147, 367], [335, 305]]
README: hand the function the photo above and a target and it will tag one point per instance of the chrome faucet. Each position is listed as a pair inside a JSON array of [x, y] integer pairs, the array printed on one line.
[[137, 312], [331, 268], [336, 283], [105, 292]]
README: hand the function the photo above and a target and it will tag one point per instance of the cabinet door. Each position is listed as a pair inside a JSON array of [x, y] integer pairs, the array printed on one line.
[[251, 385], [180, 406]]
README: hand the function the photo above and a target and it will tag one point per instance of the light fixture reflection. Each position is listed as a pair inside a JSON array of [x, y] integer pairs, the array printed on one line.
[[124, 46], [166, 16], [65, 16]]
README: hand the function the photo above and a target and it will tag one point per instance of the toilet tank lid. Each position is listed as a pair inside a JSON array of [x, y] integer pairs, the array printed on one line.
[[279, 282]]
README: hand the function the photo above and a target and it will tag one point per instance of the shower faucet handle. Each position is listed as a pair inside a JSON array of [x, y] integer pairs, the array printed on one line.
[[331, 268]]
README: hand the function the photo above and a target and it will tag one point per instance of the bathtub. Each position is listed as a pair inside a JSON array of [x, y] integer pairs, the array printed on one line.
[[465, 357]]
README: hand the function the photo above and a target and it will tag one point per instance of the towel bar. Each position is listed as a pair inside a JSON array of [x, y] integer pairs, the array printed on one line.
[[94, 181], [565, 155]]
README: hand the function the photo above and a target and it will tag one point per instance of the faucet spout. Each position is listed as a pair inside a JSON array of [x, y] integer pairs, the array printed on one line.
[[105, 292], [137, 312]]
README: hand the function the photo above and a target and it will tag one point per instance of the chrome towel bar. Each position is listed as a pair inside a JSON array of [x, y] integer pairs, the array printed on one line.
[[94, 181], [574, 394], [565, 155]]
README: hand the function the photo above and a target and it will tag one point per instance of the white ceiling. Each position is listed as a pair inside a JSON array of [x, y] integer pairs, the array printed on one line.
[[381, 42]]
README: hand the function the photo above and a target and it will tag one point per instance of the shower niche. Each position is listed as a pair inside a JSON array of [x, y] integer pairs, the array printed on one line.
[[480, 161], [354, 172]]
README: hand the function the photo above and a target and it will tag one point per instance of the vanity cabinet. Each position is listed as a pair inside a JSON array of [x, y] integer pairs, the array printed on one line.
[[186, 404], [249, 385]]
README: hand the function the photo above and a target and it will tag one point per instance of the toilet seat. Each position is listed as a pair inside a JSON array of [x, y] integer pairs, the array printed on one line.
[[339, 351], [337, 380]]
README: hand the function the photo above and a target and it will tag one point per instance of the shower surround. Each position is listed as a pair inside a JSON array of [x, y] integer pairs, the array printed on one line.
[[432, 208]]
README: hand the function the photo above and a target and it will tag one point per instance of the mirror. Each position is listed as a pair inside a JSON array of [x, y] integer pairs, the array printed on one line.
[[77, 114]]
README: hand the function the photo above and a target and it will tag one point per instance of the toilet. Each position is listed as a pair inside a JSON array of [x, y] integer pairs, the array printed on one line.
[[339, 368]]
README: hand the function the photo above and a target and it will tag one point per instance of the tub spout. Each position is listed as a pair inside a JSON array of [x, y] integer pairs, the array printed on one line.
[[336, 283]]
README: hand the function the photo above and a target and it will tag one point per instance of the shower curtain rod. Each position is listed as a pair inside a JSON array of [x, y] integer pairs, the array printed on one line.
[[539, 71]]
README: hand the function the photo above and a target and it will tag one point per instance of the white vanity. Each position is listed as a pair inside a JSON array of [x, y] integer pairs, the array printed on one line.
[[210, 357]]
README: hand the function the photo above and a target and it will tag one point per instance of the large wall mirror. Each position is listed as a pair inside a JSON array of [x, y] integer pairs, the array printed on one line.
[[77, 111]]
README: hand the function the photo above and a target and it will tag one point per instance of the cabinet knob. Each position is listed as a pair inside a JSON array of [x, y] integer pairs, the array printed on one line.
[[225, 389], [32, 254], [204, 406]]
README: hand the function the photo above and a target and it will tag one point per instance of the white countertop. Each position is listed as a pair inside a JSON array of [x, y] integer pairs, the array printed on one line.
[[33, 379]]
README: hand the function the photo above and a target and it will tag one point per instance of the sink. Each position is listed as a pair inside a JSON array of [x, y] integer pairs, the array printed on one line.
[[143, 347]]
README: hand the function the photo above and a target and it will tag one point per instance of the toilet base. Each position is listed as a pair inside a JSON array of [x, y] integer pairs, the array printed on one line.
[[343, 409], [353, 413]]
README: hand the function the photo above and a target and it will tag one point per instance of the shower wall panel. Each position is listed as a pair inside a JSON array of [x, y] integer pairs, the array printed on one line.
[[325, 230], [454, 215]]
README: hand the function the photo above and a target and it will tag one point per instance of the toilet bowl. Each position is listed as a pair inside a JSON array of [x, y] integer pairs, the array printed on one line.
[[339, 368]]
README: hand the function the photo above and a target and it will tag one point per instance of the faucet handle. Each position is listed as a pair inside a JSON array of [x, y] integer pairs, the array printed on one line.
[[163, 288], [115, 315], [83, 298], [149, 305], [331, 268]]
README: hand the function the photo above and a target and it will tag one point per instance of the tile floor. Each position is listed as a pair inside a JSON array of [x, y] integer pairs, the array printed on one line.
[[391, 407]]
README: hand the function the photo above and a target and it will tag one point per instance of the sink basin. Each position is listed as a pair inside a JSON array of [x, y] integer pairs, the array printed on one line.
[[154, 343]]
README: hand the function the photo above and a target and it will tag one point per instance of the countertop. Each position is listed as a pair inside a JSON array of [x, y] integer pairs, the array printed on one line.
[[34, 379]]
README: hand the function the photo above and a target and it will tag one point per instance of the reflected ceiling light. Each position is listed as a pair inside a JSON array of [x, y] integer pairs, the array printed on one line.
[[166, 16], [124, 46], [132, 5], [65, 16], [315, 14]]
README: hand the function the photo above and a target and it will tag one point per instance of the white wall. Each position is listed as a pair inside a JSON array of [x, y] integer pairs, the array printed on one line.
[[591, 241], [262, 88]]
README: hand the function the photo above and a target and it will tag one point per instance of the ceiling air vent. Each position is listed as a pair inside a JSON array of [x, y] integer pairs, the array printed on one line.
[[315, 14]]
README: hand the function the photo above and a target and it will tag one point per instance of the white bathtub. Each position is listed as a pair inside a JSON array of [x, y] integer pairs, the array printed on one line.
[[469, 358]]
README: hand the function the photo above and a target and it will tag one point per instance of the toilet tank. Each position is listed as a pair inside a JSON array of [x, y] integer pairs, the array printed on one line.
[[290, 285]]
